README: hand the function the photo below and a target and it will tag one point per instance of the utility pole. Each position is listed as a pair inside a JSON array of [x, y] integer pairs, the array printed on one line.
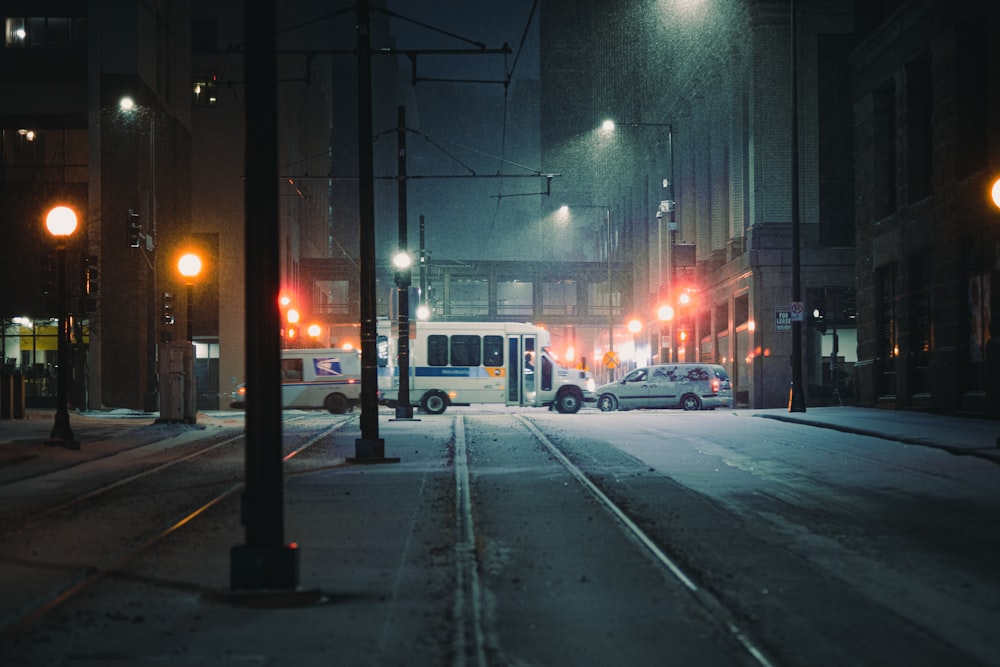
[[403, 408], [796, 397], [369, 448], [265, 561]]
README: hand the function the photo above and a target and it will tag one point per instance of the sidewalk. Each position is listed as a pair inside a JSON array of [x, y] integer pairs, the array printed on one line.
[[965, 436], [959, 435], [25, 450]]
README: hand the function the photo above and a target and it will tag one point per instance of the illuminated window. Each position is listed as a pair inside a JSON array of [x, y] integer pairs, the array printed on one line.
[[44, 32], [203, 93]]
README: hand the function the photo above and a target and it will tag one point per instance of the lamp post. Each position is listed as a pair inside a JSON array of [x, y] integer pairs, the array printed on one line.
[[189, 266], [143, 235], [993, 345], [667, 208], [402, 261], [796, 395], [61, 221]]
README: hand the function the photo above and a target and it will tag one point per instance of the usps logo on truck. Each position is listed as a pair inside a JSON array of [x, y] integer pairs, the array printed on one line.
[[327, 367]]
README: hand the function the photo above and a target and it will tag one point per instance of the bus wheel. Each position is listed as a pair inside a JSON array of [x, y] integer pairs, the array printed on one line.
[[568, 402], [434, 402], [691, 402], [337, 404]]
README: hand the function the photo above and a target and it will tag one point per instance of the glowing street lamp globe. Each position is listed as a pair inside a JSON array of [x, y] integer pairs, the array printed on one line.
[[189, 265], [61, 221]]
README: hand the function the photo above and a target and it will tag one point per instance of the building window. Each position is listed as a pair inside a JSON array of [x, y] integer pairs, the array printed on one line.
[[972, 107], [44, 155], [203, 92], [836, 151], [884, 147], [204, 35], [887, 327], [920, 319], [919, 128], [43, 32]]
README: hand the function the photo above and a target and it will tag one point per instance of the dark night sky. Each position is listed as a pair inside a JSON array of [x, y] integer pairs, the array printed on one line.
[[474, 124]]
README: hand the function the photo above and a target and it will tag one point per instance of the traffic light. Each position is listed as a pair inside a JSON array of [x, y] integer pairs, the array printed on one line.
[[91, 275], [682, 336], [134, 229], [168, 308]]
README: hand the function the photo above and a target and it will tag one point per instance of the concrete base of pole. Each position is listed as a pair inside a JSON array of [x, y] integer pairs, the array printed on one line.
[[404, 413], [264, 568], [367, 450], [62, 432]]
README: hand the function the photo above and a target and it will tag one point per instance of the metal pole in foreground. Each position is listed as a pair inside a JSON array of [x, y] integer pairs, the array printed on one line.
[[796, 397], [611, 317], [403, 408], [62, 432], [265, 561], [369, 448]]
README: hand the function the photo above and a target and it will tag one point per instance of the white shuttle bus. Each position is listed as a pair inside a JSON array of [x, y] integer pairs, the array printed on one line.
[[465, 363]]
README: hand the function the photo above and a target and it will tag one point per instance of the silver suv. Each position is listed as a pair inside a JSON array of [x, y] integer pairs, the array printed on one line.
[[688, 386]]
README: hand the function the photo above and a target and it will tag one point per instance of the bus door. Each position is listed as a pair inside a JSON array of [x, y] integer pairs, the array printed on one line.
[[521, 361]]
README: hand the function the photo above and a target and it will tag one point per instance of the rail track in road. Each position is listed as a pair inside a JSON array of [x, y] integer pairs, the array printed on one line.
[[175, 487], [518, 537], [473, 631]]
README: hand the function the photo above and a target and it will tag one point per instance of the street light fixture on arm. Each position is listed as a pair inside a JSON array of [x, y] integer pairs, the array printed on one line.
[[61, 222]]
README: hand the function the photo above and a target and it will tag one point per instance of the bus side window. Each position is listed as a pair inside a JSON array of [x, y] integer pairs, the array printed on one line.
[[465, 350], [492, 350], [437, 350], [546, 373]]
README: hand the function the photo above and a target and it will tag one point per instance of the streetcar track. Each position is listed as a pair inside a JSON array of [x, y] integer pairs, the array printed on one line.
[[72, 502], [712, 605], [90, 575], [468, 608]]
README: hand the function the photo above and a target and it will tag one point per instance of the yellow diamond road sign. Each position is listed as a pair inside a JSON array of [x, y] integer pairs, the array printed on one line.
[[611, 359]]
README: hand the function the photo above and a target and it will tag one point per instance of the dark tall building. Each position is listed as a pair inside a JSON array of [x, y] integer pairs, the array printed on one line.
[[698, 174], [927, 148], [95, 111]]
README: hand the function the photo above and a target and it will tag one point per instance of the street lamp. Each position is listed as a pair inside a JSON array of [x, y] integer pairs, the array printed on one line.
[[189, 266], [402, 261], [667, 207], [61, 221]]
